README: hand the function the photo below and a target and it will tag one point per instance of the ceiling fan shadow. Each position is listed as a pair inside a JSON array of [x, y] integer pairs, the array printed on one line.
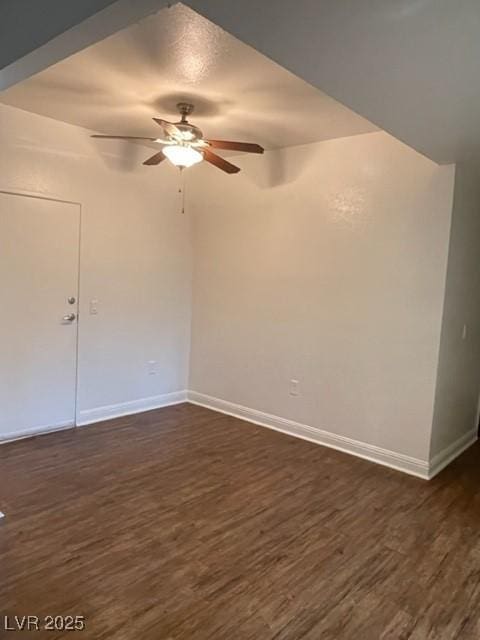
[[204, 107], [278, 167], [120, 155]]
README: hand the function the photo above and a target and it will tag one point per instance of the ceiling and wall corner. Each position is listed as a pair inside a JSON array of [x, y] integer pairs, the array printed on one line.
[[458, 378]]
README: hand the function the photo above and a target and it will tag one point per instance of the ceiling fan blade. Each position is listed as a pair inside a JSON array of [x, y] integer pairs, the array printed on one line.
[[169, 128], [155, 159], [248, 147], [97, 135], [219, 162]]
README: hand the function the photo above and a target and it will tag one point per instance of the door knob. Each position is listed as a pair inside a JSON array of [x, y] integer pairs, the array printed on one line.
[[70, 317]]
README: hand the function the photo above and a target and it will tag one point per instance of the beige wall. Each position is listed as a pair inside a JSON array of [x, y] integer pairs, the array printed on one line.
[[458, 382], [135, 253], [324, 263]]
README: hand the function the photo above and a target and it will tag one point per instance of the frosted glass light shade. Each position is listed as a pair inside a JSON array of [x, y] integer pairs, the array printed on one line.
[[182, 155]]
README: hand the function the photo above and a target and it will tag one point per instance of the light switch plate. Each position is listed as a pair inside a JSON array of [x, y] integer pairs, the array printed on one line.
[[294, 389], [152, 367]]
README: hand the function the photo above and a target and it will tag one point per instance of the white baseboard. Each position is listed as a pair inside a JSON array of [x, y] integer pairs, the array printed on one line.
[[447, 455], [89, 416], [34, 431], [398, 461]]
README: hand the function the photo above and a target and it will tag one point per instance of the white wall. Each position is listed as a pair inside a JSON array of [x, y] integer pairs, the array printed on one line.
[[325, 263], [135, 253], [458, 382]]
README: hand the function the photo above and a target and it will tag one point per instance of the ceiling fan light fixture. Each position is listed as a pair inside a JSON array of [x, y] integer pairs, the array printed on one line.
[[182, 155], [186, 146]]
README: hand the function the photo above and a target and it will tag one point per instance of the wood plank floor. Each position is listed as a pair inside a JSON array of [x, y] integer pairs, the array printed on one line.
[[183, 523]]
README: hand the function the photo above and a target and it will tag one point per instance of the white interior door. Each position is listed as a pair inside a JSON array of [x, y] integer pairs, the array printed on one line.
[[39, 250]]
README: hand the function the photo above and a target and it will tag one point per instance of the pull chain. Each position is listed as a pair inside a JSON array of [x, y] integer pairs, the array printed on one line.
[[181, 189]]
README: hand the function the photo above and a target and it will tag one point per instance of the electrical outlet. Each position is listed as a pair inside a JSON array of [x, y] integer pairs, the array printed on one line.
[[93, 307], [152, 367], [294, 389]]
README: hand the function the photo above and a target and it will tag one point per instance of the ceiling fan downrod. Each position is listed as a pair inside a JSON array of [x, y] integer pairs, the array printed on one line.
[[185, 109]]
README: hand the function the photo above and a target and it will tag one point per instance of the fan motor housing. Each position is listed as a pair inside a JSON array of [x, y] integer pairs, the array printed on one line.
[[190, 132]]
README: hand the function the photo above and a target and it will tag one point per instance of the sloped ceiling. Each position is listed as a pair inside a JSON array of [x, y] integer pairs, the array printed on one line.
[[409, 66], [117, 85]]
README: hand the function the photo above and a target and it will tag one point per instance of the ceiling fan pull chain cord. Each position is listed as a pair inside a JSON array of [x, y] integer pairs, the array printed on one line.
[[182, 187]]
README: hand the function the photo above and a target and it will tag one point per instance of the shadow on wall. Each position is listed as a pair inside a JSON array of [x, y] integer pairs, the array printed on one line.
[[278, 167], [120, 155]]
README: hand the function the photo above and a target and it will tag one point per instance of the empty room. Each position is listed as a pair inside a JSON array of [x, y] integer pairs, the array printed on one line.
[[240, 320]]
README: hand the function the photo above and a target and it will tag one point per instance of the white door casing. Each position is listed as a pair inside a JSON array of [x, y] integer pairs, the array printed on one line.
[[39, 270]]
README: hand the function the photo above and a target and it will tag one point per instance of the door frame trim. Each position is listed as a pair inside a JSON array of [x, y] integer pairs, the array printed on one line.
[[38, 195], [35, 431], [41, 196]]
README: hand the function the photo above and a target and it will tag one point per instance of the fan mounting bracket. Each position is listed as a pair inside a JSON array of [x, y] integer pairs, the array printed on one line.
[[185, 109]]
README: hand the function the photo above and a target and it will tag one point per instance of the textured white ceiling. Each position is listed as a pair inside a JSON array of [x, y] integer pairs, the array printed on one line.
[[117, 85]]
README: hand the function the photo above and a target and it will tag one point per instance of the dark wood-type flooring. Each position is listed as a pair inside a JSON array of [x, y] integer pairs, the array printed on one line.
[[184, 523]]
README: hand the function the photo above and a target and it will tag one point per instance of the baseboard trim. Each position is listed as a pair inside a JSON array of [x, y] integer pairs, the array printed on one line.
[[398, 461], [35, 431], [89, 416], [447, 455], [385, 457]]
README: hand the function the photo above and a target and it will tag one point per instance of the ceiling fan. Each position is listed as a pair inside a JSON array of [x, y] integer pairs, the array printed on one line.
[[184, 144]]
